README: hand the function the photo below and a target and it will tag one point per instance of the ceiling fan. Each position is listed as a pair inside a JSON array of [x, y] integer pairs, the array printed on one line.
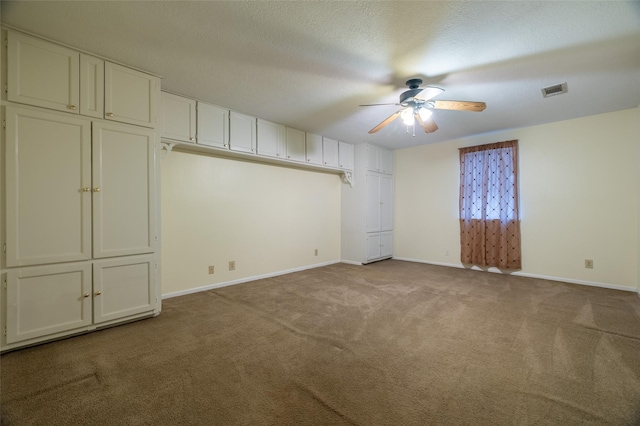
[[419, 109]]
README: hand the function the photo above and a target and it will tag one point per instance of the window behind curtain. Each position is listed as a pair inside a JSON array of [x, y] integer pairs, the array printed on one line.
[[489, 216]]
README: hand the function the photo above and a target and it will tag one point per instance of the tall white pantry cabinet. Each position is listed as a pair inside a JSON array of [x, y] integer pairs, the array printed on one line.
[[80, 199], [367, 207]]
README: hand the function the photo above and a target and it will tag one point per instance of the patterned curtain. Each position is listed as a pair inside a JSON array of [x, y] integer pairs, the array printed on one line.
[[489, 216]]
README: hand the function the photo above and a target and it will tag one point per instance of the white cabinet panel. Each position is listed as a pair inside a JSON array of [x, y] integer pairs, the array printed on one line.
[[242, 132], [386, 244], [386, 203], [91, 86], [42, 74], [49, 299], [295, 145], [123, 190], [178, 118], [345, 154], [330, 152], [373, 246], [213, 125], [131, 96], [123, 287], [373, 202], [48, 176], [386, 161], [314, 149], [271, 139]]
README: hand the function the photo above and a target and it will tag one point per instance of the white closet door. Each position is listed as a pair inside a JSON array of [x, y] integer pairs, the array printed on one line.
[[314, 149], [123, 287], [45, 300], [43, 74], [178, 118], [386, 203], [91, 86], [48, 178], [213, 125], [242, 132], [123, 190], [296, 145], [373, 202], [130, 96]]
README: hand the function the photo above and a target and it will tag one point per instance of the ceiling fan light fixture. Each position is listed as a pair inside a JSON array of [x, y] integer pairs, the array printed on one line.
[[425, 113], [407, 116]]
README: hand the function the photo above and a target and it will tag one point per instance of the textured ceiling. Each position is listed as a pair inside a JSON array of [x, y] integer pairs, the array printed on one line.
[[309, 64]]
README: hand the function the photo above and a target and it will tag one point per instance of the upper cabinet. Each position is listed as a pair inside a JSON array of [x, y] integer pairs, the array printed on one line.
[[42, 73], [345, 154], [178, 118], [314, 149], [330, 152], [271, 139], [379, 160], [296, 145], [242, 132], [48, 75], [130, 96], [213, 125]]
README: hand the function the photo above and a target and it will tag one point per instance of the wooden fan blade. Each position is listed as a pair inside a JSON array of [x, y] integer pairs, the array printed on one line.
[[378, 104], [460, 105], [386, 121], [429, 92], [429, 125]]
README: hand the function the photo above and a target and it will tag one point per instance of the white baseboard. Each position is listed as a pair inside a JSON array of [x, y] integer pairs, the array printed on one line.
[[244, 280], [351, 262], [524, 274]]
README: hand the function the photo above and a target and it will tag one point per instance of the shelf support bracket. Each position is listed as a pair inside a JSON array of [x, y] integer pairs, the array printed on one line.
[[166, 148], [347, 177]]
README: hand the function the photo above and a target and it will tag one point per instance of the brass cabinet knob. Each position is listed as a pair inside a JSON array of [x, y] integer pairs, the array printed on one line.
[[86, 189], [98, 293], [86, 295], [109, 114], [192, 139], [72, 107], [96, 189]]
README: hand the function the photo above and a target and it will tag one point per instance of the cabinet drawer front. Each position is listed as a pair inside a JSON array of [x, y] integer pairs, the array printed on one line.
[[43, 74], [47, 300], [123, 287], [48, 175]]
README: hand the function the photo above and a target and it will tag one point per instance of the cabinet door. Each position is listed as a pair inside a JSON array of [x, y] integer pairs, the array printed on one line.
[[271, 139], [372, 196], [314, 149], [43, 74], [330, 152], [373, 157], [373, 246], [123, 287], [48, 179], [242, 132], [91, 86], [386, 244], [213, 125], [130, 96], [345, 154], [296, 145], [386, 203], [123, 190], [45, 300], [386, 161], [178, 118]]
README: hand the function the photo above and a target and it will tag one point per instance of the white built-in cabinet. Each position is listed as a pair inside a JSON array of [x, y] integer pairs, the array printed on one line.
[[79, 193], [48, 75], [198, 123], [314, 149], [178, 118], [367, 207]]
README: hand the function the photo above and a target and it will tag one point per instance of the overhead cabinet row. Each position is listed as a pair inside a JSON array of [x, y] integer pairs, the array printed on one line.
[[52, 76], [188, 120]]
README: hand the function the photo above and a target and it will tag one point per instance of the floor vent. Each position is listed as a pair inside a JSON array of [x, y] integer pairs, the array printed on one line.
[[557, 89]]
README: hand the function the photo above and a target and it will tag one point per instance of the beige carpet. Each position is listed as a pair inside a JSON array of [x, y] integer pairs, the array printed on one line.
[[391, 343]]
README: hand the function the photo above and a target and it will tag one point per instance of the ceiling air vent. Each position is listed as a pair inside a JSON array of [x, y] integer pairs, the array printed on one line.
[[558, 89]]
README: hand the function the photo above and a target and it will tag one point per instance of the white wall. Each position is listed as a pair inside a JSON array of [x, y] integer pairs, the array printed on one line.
[[578, 193], [267, 218]]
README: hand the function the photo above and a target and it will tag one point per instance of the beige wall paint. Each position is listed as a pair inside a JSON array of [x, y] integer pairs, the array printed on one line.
[[267, 218], [578, 193]]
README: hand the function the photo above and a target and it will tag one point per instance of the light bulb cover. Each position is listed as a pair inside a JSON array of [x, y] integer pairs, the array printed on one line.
[[407, 116], [425, 113]]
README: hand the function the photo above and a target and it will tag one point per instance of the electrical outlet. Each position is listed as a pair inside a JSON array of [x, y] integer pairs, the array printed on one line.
[[588, 263], [232, 265], [316, 252], [211, 269]]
